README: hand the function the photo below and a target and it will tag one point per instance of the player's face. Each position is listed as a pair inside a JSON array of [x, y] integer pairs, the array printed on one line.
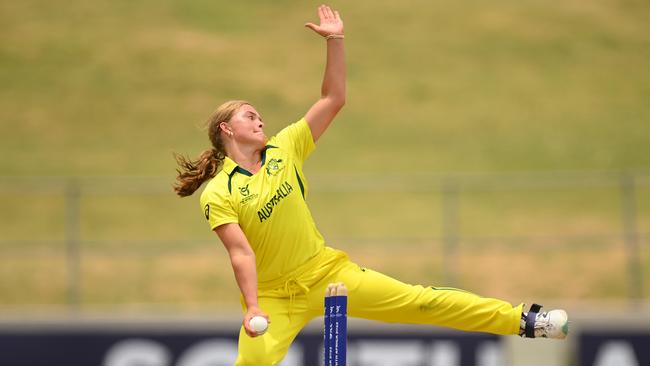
[[247, 126]]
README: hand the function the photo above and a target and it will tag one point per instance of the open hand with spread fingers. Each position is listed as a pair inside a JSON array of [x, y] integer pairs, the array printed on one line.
[[330, 22]]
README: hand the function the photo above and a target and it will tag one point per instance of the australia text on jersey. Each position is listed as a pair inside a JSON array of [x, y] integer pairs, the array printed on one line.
[[266, 210]]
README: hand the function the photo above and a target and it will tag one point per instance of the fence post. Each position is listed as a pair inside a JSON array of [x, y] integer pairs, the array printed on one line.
[[73, 257], [450, 231], [631, 237]]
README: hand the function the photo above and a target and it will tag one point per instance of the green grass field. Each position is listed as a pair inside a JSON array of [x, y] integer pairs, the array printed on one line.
[[111, 88]]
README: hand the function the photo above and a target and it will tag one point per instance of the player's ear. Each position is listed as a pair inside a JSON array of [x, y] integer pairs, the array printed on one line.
[[225, 128]]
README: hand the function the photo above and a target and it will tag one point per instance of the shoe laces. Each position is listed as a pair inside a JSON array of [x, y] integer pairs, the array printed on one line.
[[543, 325]]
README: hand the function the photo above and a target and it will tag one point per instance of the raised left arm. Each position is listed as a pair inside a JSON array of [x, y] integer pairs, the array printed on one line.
[[332, 99]]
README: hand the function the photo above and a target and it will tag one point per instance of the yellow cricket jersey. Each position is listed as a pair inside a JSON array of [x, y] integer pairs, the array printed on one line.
[[269, 205]]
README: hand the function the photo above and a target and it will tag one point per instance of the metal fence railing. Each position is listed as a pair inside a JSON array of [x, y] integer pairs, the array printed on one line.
[[69, 204]]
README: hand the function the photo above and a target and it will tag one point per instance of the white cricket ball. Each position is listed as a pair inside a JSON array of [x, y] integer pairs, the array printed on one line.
[[259, 324]]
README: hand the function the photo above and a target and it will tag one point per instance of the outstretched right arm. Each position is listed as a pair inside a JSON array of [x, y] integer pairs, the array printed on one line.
[[332, 99], [242, 259]]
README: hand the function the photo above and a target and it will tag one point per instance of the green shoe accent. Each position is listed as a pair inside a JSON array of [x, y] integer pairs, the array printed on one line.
[[565, 328]]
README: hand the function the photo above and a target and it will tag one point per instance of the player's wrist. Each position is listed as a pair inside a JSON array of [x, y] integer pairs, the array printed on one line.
[[334, 36], [252, 308]]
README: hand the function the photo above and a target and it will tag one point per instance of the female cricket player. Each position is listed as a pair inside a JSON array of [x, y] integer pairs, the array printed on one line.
[[255, 202]]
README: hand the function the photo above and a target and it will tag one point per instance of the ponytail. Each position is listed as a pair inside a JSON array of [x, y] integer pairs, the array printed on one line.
[[192, 173]]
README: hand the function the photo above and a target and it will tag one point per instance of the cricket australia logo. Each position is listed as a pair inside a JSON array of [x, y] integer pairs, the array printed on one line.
[[274, 166]]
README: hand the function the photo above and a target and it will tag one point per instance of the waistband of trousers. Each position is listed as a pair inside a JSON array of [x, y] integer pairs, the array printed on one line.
[[313, 264]]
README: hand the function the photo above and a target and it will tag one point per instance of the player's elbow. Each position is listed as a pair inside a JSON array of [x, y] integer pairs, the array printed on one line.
[[336, 102], [242, 259]]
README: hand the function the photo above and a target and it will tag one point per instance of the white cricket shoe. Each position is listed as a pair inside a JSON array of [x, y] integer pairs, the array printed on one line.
[[552, 324]]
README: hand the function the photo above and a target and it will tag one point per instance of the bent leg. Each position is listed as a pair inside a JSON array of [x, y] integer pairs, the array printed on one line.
[[375, 296], [271, 347]]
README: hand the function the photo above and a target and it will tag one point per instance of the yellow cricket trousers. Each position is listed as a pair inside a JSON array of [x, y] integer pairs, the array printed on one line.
[[299, 298]]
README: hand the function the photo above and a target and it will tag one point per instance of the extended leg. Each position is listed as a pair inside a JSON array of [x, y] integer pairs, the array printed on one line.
[[373, 295]]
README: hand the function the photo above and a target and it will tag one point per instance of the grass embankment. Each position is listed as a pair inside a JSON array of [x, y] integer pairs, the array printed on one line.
[[113, 87]]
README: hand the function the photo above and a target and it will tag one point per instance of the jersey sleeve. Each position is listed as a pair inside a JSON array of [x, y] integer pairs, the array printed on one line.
[[217, 208], [296, 138]]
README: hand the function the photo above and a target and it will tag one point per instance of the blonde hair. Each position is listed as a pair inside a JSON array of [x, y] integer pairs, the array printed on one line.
[[192, 173]]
